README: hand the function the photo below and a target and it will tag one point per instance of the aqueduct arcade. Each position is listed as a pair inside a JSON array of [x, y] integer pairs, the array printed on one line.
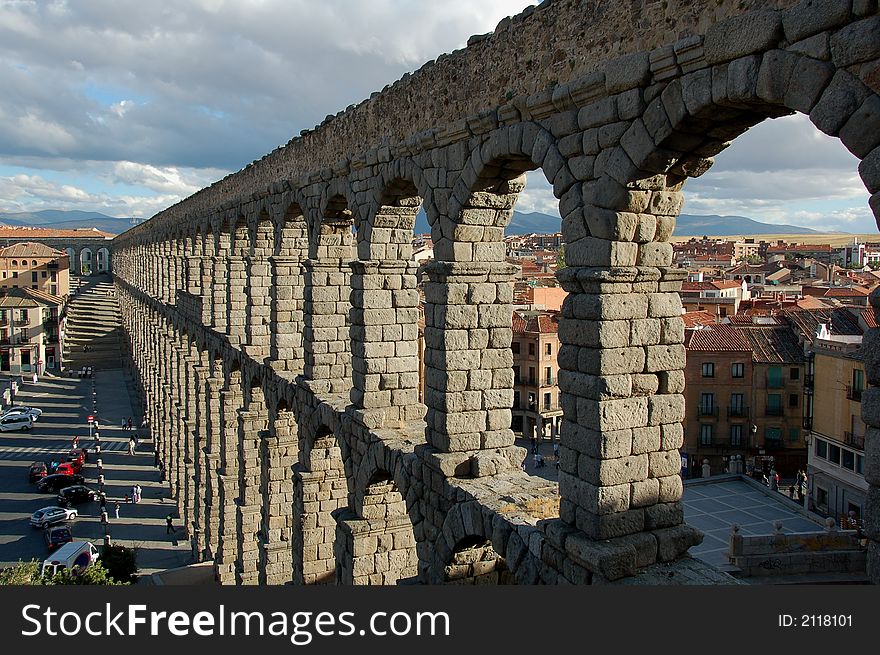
[[273, 316]]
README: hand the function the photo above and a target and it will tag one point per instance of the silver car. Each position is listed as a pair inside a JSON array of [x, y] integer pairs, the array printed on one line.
[[47, 516]]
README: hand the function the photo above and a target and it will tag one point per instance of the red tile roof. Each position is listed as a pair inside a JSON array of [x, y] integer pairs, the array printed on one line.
[[30, 249], [25, 232], [716, 338], [692, 319], [774, 345], [544, 323], [870, 317]]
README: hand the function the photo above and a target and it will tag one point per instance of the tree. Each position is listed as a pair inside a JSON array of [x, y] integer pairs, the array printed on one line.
[[120, 562], [28, 573], [560, 258]]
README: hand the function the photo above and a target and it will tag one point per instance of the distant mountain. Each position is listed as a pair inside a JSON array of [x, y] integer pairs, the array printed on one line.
[[66, 220], [686, 225], [692, 225]]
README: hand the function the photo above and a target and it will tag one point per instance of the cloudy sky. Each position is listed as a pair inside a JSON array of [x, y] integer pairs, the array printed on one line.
[[125, 107]]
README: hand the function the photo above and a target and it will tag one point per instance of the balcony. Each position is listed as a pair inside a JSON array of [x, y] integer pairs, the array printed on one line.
[[21, 322], [529, 382], [774, 411], [856, 440], [4, 322], [707, 410], [854, 393], [738, 411], [808, 423], [548, 381], [551, 407]]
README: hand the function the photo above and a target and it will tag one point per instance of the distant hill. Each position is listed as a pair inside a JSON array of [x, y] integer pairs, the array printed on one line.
[[692, 225], [66, 220], [687, 225]]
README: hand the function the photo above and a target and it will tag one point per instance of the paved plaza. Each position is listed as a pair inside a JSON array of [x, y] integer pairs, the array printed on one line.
[[66, 404], [713, 507]]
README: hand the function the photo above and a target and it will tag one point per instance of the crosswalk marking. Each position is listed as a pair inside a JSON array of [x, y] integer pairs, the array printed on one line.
[[13, 452]]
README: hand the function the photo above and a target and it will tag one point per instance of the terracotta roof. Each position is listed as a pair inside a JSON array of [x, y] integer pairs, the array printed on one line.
[[870, 317], [811, 302], [774, 345], [692, 319], [716, 338], [845, 292], [24, 297], [30, 249], [544, 322], [24, 232]]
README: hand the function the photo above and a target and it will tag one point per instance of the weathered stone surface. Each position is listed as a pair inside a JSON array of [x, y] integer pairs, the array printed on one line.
[[742, 35]]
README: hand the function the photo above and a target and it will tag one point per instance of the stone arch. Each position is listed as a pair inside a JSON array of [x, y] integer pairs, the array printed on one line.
[[86, 263], [468, 551]]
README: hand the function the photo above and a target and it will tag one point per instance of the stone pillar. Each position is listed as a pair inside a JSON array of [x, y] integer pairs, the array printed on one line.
[[287, 295], [469, 365], [214, 434], [384, 334], [218, 285], [257, 309], [327, 358], [621, 377], [227, 550], [236, 298], [318, 491], [201, 435], [374, 552], [871, 417], [279, 454], [252, 424]]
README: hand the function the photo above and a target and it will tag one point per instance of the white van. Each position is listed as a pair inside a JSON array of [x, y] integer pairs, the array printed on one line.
[[16, 422], [80, 554]]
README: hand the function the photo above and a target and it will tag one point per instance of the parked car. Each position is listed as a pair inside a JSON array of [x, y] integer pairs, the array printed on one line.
[[57, 537], [76, 455], [79, 554], [37, 471], [75, 495], [24, 409], [16, 422], [58, 482], [47, 516], [68, 468]]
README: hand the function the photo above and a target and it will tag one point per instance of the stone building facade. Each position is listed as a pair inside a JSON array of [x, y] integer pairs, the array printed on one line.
[[273, 316]]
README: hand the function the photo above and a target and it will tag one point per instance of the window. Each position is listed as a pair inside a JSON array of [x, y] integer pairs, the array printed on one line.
[[707, 403], [515, 347], [548, 375], [706, 434], [43, 274], [516, 377], [860, 465], [548, 403], [33, 262], [532, 378], [548, 349], [516, 399], [793, 400], [794, 434], [848, 460], [833, 453], [708, 369], [858, 380], [54, 277], [821, 496], [737, 406], [736, 435], [34, 276], [774, 404], [737, 370], [795, 374], [14, 274], [531, 349], [773, 436], [821, 448], [774, 377], [15, 262]]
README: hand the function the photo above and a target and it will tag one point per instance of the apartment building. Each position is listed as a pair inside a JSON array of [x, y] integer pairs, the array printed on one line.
[[31, 265], [31, 332], [536, 408]]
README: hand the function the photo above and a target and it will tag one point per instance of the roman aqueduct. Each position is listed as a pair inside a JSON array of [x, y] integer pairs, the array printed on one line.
[[273, 316]]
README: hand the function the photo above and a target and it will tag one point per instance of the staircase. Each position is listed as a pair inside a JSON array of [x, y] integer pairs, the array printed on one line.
[[93, 321]]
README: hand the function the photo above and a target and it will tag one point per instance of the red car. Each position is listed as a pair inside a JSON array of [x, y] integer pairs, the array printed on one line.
[[68, 468], [78, 455]]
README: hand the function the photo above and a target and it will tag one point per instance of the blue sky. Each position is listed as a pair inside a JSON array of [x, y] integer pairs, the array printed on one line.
[[125, 107]]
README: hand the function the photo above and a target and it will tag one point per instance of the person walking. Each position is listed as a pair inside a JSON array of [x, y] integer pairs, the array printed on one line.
[[130, 446], [123, 425], [134, 494], [137, 493], [116, 509], [130, 424], [75, 443], [169, 525]]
